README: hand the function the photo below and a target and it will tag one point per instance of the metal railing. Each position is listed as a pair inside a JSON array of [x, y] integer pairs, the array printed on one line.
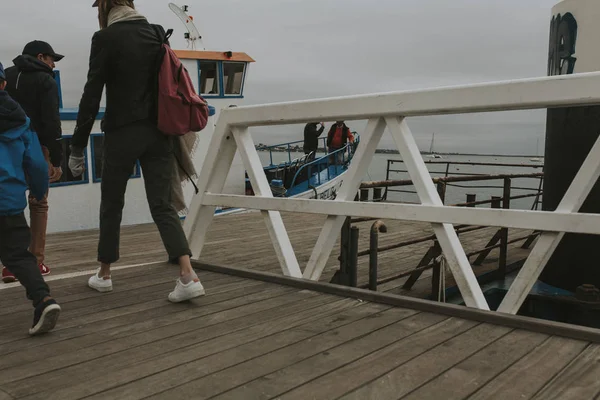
[[451, 170], [389, 110], [287, 147], [325, 162], [499, 240]]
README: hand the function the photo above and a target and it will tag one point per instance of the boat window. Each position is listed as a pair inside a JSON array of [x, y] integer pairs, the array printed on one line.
[[67, 178], [233, 77], [209, 82], [97, 147]]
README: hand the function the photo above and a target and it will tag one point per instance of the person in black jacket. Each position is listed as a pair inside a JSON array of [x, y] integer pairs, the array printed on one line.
[[124, 58], [311, 136], [22, 166], [31, 83]]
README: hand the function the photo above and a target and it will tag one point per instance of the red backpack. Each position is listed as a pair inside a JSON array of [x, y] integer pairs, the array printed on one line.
[[180, 109]]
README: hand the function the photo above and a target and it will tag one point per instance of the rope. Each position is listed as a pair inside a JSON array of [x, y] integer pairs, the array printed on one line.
[[443, 263]]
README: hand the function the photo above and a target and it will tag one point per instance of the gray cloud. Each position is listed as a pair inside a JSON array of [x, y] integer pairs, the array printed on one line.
[[321, 48]]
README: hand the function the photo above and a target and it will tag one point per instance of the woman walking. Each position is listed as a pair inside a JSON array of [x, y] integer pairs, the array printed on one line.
[[124, 58]]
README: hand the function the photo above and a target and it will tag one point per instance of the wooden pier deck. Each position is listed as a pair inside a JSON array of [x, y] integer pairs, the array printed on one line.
[[242, 240], [258, 335]]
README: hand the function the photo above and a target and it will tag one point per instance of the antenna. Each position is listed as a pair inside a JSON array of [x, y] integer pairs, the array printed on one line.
[[192, 35]]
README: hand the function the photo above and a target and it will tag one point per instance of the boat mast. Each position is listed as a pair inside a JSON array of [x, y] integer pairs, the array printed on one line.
[[192, 35], [431, 146]]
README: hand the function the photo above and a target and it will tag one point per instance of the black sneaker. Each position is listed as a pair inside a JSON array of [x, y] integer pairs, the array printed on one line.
[[44, 317]]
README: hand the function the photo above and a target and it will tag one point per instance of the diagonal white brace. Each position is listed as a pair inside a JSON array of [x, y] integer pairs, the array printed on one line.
[[212, 177], [572, 201], [445, 233], [274, 222], [358, 168]]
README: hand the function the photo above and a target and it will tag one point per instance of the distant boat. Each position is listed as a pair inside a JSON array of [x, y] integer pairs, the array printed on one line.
[[431, 153]]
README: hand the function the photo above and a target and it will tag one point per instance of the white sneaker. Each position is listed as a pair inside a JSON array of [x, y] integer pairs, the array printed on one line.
[[185, 292], [100, 284]]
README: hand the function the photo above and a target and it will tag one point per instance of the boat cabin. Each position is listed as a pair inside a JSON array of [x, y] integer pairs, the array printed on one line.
[[219, 77], [216, 75]]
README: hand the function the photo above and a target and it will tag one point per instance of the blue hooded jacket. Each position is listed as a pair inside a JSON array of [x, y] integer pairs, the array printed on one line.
[[22, 162]]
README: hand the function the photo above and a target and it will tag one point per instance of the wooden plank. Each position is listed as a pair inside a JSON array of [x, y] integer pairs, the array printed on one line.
[[141, 361], [145, 361], [413, 373], [276, 383], [460, 381], [578, 380], [154, 320], [245, 371], [355, 374], [197, 366], [124, 293], [527, 376], [23, 350], [125, 339], [111, 303], [495, 318], [79, 284]]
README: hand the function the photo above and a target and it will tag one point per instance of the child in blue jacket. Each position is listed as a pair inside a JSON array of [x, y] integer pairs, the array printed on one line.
[[22, 165]]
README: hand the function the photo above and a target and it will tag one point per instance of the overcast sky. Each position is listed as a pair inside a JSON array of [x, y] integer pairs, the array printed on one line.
[[321, 48]]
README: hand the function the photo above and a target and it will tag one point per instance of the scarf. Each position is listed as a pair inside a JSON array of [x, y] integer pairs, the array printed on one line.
[[183, 146], [123, 13]]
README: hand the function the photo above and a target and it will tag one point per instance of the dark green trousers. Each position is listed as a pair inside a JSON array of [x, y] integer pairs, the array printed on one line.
[[122, 148]]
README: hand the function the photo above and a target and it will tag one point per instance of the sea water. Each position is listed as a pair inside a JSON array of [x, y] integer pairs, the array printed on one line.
[[455, 193]]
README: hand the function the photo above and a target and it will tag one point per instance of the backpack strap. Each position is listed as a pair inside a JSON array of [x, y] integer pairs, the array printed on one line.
[[163, 36]]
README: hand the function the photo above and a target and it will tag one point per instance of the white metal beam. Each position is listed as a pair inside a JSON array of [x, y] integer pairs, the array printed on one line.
[[572, 201], [212, 177], [274, 222], [546, 92], [448, 239], [518, 219], [357, 170]]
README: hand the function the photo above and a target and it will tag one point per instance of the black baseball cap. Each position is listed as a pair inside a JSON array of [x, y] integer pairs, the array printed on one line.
[[38, 47]]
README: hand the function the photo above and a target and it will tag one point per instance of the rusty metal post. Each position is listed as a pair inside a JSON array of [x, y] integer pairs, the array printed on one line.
[[441, 189], [353, 257], [345, 246], [496, 202], [341, 276], [436, 278], [471, 198], [364, 194], [377, 194], [377, 227], [504, 232]]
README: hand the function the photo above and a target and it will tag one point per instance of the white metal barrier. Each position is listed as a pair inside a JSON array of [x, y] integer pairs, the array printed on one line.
[[389, 110]]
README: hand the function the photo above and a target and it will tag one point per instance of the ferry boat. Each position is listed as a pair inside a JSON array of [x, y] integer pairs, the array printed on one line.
[[220, 77]]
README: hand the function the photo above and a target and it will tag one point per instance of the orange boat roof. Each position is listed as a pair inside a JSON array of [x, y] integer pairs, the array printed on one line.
[[213, 55]]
